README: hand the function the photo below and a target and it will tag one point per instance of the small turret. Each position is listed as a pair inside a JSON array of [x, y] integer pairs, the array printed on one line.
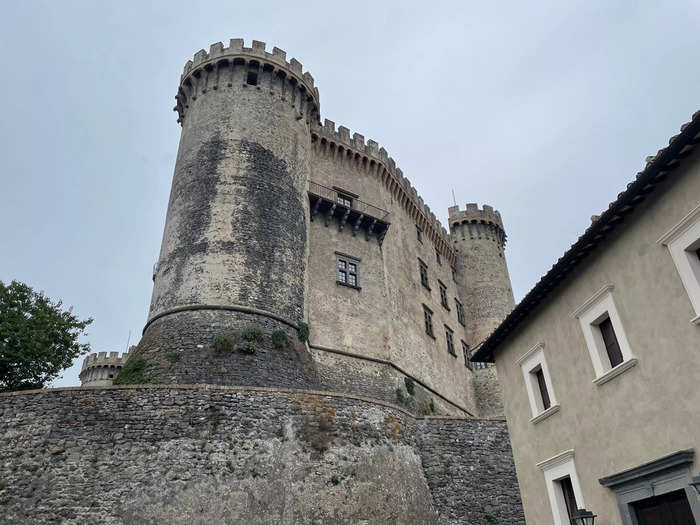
[[100, 369], [478, 238]]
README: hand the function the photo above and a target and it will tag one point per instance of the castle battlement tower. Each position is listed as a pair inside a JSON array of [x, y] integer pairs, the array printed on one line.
[[235, 240], [100, 369], [479, 238]]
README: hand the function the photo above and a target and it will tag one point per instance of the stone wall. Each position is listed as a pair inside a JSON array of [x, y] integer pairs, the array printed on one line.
[[185, 454], [180, 349], [470, 471], [488, 392]]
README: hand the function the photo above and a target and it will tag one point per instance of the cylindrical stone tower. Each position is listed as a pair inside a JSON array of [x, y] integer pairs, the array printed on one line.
[[100, 369], [234, 247], [478, 237]]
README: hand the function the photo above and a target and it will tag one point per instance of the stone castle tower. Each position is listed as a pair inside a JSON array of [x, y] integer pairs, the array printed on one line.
[[241, 247], [279, 225], [100, 369]]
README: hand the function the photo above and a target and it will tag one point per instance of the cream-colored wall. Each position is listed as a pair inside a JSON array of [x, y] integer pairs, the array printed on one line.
[[649, 411], [384, 319]]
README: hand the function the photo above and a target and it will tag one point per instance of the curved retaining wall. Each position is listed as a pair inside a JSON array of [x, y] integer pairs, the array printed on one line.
[[202, 454]]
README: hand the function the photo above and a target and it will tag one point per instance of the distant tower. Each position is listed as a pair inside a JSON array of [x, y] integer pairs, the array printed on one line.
[[478, 237], [234, 246], [100, 369]]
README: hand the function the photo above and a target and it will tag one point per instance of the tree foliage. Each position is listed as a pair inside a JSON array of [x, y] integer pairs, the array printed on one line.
[[38, 337]]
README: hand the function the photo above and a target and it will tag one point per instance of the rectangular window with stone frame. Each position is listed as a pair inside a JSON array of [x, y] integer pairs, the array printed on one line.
[[449, 338], [348, 272], [419, 234], [423, 268], [443, 296], [460, 313], [465, 351], [437, 257], [428, 318]]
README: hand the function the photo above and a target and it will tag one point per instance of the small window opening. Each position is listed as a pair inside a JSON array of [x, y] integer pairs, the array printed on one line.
[[542, 384], [449, 338], [347, 272], [423, 268], [428, 318], [612, 347], [443, 296], [437, 257], [252, 78], [111, 376], [344, 200], [419, 233], [465, 351], [460, 313]]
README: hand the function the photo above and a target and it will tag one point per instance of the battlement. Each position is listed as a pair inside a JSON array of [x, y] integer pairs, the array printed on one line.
[[473, 214], [370, 156], [102, 359], [221, 60]]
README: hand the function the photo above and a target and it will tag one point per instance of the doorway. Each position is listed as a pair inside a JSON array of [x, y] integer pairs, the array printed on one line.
[[668, 509]]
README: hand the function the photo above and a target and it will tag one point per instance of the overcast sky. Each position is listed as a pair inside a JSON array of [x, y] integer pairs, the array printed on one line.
[[544, 110]]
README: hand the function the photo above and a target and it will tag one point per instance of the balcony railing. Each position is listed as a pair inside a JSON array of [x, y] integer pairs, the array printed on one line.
[[332, 204]]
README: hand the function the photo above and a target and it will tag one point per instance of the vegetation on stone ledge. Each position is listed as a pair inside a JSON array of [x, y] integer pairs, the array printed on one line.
[[280, 339], [303, 332], [136, 371], [223, 342], [248, 347], [410, 385], [253, 334], [400, 398]]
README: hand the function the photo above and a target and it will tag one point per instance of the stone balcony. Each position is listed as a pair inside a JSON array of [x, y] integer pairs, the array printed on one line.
[[346, 210]]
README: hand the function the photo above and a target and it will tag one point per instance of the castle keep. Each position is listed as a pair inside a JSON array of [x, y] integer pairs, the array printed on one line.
[[279, 225], [276, 219]]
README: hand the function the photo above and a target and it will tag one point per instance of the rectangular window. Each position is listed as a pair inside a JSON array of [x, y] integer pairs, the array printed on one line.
[[449, 337], [567, 490], [437, 257], [423, 274], [428, 317], [443, 296], [344, 200], [610, 340], [460, 313], [419, 233], [465, 351], [348, 272], [454, 273], [544, 395]]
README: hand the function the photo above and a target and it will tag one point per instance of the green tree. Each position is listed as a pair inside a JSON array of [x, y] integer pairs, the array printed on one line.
[[38, 337]]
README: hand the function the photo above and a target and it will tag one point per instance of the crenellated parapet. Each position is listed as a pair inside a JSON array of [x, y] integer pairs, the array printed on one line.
[[225, 67], [477, 223], [101, 368], [370, 158]]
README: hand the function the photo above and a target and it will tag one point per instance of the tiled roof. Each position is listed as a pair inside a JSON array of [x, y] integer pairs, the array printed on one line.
[[658, 167]]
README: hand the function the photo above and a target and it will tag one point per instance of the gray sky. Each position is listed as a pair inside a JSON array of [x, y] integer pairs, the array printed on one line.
[[543, 109]]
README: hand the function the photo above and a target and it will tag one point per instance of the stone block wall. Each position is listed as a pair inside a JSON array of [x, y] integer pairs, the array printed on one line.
[[188, 454]]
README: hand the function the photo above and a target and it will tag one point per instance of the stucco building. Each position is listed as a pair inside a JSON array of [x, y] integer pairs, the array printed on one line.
[[599, 361]]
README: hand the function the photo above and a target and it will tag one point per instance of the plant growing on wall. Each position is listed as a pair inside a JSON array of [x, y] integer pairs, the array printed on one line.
[[400, 398], [253, 334], [280, 339], [248, 347], [303, 332], [410, 385], [136, 371], [223, 342], [38, 337]]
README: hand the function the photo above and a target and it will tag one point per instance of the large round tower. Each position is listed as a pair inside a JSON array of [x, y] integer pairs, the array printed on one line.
[[478, 237], [234, 247]]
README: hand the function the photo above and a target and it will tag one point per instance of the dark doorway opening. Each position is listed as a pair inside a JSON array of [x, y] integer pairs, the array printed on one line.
[[669, 509]]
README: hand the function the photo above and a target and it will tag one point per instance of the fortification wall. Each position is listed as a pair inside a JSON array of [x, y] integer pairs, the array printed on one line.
[[384, 319], [100, 369], [183, 455]]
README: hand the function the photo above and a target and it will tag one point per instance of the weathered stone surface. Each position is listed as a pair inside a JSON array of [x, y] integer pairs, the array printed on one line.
[[167, 454]]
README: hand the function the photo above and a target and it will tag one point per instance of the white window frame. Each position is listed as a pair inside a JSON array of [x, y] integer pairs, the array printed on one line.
[[682, 240], [555, 469], [590, 314], [530, 362]]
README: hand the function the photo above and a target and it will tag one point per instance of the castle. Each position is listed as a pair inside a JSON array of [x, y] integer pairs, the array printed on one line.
[[306, 354]]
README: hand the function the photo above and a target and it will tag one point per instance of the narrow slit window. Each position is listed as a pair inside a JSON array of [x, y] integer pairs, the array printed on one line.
[[419, 233], [437, 257], [460, 313], [465, 351], [612, 346]]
